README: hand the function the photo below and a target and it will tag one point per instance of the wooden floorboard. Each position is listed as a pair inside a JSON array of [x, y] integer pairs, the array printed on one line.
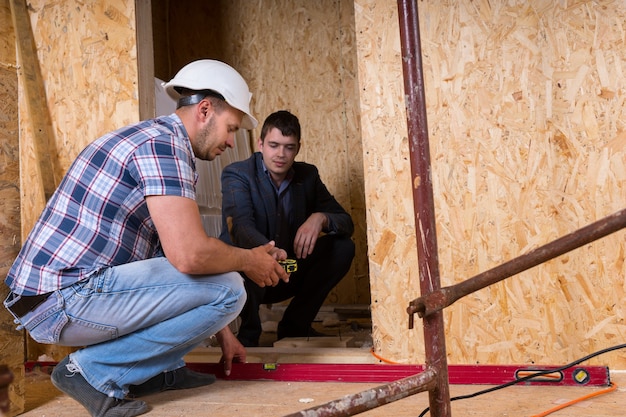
[[269, 398], [227, 398]]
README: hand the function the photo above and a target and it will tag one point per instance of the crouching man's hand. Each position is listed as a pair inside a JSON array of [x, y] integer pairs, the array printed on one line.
[[263, 269], [232, 349]]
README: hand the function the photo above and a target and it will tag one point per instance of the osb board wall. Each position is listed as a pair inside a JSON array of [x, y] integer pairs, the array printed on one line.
[[87, 57], [87, 53], [525, 104], [11, 341], [296, 55]]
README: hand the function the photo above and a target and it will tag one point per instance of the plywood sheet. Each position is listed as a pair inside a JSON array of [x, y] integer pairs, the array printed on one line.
[[11, 340], [88, 61], [87, 54], [271, 398], [525, 103]]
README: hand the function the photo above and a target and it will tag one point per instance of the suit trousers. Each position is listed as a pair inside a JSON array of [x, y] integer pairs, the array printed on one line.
[[309, 286]]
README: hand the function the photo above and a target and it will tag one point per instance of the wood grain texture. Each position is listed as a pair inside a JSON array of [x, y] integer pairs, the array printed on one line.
[[11, 340], [270, 398], [525, 102]]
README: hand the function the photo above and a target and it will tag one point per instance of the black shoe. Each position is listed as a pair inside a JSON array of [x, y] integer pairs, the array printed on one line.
[[249, 336], [70, 381], [181, 378], [310, 332], [247, 343]]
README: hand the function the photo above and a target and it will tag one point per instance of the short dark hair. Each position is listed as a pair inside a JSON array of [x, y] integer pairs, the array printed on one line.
[[190, 97], [287, 123]]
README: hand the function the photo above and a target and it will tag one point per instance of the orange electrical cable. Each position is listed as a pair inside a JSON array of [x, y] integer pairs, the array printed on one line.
[[611, 388], [380, 358]]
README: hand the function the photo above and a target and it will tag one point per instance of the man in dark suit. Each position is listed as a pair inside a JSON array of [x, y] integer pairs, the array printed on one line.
[[270, 197]]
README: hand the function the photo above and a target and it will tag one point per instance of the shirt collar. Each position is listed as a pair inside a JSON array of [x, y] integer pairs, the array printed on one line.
[[286, 181]]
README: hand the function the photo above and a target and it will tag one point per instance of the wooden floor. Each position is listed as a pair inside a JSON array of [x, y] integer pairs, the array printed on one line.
[[227, 398], [270, 398]]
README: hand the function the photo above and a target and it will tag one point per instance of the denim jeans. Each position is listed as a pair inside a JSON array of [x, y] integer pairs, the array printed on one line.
[[135, 320]]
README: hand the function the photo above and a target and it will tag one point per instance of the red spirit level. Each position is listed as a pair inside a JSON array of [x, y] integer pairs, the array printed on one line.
[[381, 373], [457, 374]]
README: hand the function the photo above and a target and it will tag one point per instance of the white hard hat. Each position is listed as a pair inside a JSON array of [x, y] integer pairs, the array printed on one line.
[[208, 74]]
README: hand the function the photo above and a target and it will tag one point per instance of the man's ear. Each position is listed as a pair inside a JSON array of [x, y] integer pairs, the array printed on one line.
[[205, 109]]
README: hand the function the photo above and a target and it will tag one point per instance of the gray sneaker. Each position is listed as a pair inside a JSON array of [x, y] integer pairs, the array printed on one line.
[[66, 378]]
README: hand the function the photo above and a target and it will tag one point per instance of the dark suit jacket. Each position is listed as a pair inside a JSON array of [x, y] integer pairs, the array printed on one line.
[[249, 203]]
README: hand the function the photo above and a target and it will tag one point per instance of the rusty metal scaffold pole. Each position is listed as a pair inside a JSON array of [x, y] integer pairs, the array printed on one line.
[[423, 203]]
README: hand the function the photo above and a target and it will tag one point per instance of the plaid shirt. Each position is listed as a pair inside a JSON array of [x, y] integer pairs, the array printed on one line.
[[98, 216]]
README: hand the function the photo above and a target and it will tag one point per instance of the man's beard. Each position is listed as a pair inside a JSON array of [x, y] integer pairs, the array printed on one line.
[[204, 137]]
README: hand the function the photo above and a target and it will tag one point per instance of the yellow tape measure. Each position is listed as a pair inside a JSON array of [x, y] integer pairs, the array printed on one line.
[[290, 265]]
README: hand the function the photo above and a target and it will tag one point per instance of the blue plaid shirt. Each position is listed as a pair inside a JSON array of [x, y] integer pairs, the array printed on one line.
[[98, 216]]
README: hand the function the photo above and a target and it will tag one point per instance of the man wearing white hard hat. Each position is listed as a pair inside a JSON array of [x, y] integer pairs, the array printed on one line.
[[119, 263]]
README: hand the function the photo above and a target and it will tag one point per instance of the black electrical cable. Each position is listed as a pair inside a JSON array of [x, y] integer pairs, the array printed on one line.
[[531, 376]]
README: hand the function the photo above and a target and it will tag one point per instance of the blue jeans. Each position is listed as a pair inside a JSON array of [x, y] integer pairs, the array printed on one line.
[[136, 320]]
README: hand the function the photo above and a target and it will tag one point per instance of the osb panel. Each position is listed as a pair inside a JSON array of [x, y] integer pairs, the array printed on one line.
[[525, 104], [308, 66], [9, 172], [11, 341], [359, 291], [87, 58], [389, 207], [87, 54], [7, 36]]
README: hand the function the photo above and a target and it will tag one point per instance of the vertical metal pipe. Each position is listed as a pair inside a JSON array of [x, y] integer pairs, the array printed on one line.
[[423, 202]]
